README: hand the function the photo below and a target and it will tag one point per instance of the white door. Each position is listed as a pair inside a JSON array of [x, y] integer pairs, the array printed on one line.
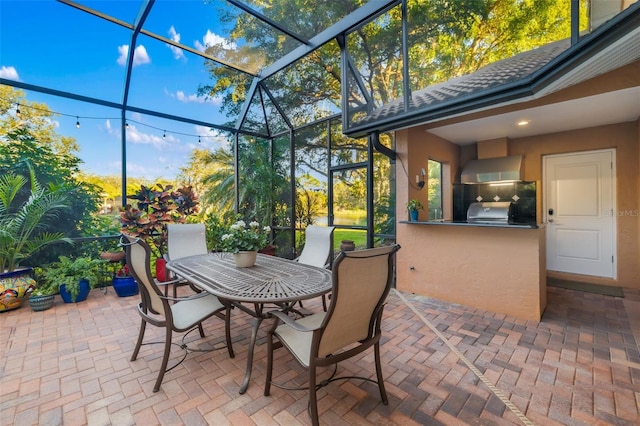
[[579, 202]]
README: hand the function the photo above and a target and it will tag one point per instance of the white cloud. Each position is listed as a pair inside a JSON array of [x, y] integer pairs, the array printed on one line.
[[138, 137], [10, 73], [212, 39], [210, 138], [175, 36], [194, 98], [140, 55], [182, 97]]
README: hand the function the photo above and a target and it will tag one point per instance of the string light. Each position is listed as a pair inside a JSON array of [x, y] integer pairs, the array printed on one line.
[[164, 132]]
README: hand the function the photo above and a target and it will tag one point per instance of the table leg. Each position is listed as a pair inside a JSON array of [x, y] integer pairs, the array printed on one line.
[[252, 345]]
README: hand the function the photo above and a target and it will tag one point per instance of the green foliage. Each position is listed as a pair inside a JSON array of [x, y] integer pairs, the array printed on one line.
[[217, 226], [414, 205], [19, 149], [43, 286], [156, 207], [23, 225], [239, 237], [69, 272]]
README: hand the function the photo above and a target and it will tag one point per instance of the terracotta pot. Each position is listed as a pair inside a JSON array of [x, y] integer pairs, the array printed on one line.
[[347, 245], [115, 256], [245, 259]]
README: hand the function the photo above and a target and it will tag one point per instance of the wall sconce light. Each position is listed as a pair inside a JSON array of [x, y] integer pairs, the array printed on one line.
[[420, 179]]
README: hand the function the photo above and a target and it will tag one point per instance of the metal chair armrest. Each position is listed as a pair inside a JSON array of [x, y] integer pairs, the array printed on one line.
[[290, 321]]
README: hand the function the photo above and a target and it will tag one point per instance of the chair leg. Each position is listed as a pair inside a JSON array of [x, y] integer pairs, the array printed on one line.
[[313, 399], [201, 330], [227, 330], [267, 383], [165, 360], [143, 327], [383, 392]]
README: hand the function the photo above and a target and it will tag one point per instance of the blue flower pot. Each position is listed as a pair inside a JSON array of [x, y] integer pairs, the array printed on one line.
[[125, 286], [82, 294], [413, 215]]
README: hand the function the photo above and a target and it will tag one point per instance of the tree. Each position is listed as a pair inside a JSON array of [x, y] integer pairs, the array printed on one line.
[[212, 174], [18, 148], [446, 39], [35, 117]]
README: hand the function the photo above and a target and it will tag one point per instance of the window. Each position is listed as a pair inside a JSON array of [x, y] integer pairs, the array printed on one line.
[[434, 185]]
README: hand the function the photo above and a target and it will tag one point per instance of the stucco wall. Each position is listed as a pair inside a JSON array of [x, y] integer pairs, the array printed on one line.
[[624, 138], [497, 269], [425, 147], [415, 146]]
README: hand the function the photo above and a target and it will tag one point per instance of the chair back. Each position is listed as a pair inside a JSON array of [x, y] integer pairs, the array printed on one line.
[[186, 239], [362, 280], [139, 261], [317, 245]]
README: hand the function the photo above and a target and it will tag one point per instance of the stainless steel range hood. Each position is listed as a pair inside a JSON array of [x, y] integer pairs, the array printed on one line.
[[490, 170]]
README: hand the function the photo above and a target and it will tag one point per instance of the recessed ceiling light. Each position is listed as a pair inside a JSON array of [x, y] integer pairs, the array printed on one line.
[[523, 122]]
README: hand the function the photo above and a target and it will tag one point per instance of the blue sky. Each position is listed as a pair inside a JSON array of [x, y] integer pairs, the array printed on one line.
[[50, 44]]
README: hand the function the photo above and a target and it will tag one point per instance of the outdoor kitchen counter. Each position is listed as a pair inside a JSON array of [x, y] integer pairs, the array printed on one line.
[[486, 225], [498, 268]]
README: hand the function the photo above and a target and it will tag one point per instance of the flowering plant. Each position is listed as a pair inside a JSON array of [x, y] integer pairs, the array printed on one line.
[[123, 271], [240, 238]]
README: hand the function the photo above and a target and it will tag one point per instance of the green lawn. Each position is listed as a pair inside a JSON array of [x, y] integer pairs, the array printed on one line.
[[357, 236]]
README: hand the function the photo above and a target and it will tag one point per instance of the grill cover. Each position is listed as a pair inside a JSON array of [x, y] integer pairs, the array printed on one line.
[[498, 212]]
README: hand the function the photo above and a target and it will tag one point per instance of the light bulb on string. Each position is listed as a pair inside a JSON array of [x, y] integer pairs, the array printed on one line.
[[126, 124], [77, 122], [164, 135], [199, 140], [18, 110]]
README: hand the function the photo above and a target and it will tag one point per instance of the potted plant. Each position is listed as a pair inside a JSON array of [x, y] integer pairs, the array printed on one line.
[[244, 242], [43, 295], [23, 217], [413, 206], [157, 206], [123, 283], [74, 277]]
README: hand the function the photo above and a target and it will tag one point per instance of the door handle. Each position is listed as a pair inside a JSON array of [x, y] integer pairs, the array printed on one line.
[[550, 220]]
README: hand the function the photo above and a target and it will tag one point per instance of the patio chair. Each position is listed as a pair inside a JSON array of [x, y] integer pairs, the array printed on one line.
[[184, 239], [185, 315], [317, 249], [317, 246], [361, 282]]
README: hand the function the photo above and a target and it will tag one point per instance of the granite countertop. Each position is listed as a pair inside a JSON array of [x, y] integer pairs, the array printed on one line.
[[526, 225]]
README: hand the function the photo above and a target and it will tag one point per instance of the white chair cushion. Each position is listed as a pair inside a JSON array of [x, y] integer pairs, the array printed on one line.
[[187, 313], [299, 342]]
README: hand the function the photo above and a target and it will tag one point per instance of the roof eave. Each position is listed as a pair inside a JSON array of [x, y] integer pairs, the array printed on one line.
[[520, 90]]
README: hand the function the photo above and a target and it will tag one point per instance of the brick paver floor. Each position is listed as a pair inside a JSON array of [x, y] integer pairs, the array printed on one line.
[[443, 364]]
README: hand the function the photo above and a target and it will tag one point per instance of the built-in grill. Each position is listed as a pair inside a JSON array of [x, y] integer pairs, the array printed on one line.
[[499, 213]]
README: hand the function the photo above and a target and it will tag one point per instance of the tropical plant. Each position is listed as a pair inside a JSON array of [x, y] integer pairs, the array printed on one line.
[[239, 237], [414, 205], [157, 206], [69, 272], [23, 227], [26, 148], [43, 286]]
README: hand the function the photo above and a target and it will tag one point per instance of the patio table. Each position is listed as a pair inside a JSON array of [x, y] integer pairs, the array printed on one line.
[[272, 280]]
